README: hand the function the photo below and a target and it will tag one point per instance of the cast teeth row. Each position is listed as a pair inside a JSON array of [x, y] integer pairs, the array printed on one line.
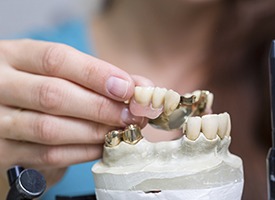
[[210, 125]]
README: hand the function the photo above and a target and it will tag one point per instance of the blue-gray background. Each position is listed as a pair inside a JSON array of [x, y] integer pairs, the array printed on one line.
[[17, 16]]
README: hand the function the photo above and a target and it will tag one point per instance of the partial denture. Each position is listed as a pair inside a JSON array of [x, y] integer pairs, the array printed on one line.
[[195, 104], [151, 102]]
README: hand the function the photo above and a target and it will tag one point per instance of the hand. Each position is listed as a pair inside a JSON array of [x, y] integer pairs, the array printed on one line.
[[56, 104]]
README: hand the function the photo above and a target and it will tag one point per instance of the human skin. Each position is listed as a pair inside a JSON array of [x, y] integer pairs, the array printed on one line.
[[55, 105]]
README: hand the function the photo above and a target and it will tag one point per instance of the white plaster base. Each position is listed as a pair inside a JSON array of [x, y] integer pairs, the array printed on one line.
[[231, 191]]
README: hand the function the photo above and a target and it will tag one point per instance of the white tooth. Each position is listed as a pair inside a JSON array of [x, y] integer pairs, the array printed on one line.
[[197, 94], [138, 94], [187, 95], [143, 95], [210, 99], [224, 124], [228, 130], [171, 101], [158, 97], [209, 126], [193, 127]]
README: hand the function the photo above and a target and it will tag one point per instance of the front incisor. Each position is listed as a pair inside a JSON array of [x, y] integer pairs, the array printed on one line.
[[210, 126], [193, 127]]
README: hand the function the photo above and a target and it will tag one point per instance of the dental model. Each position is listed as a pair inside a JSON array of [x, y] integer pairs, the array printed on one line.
[[197, 166]]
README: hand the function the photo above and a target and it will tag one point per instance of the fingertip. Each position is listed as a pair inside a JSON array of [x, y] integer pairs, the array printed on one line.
[[131, 90], [142, 81], [120, 88], [128, 118]]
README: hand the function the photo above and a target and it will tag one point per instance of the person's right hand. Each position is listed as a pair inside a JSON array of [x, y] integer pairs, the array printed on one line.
[[56, 104]]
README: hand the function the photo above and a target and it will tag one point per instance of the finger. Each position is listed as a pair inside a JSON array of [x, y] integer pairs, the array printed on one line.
[[41, 128], [43, 156], [60, 97], [62, 61], [142, 81]]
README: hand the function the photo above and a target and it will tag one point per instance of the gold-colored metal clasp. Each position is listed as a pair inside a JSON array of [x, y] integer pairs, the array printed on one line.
[[187, 107]]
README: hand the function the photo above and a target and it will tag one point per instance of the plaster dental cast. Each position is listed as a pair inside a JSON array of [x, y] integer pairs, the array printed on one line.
[[198, 165]]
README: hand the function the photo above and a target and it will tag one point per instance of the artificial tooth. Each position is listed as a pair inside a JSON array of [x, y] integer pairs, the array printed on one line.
[[113, 138], [193, 127], [132, 134], [209, 126], [158, 97], [187, 95], [224, 124], [228, 130], [209, 103], [143, 95], [171, 101]]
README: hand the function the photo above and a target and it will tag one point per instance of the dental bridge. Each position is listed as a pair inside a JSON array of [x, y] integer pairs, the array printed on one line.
[[205, 139]]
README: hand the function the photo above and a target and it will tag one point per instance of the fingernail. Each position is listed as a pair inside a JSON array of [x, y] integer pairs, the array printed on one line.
[[117, 87], [128, 118]]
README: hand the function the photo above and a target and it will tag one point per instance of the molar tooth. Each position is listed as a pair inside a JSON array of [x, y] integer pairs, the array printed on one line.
[[158, 97], [113, 138], [193, 127], [224, 125], [210, 126], [143, 95], [171, 101], [132, 134]]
